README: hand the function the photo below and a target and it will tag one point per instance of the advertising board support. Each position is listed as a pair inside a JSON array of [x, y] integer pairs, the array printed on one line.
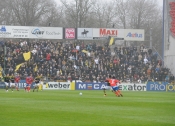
[[4, 59]]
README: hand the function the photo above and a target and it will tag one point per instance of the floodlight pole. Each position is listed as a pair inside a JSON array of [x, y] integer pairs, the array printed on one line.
[[4, 57], [151, 43], [163, 18]]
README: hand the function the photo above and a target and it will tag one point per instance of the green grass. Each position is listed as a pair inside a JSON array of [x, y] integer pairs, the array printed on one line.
[[67, 108]]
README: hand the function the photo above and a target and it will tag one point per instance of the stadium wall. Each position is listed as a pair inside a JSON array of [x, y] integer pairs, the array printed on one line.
[[149, 86], [169, 34]]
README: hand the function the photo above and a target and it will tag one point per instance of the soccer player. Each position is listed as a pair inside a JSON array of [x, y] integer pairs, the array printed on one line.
[[12, 82], [29, 81], [37, 80], [108, 85], [7, 81], [17, 80], [114, 84]]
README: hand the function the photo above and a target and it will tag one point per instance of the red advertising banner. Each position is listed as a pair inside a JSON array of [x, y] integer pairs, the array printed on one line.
[[172, 14], [70, 33]]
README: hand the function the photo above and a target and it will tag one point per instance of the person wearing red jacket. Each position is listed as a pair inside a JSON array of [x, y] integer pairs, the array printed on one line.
[[48, 56], [17, 80], [29, 81], [107, 86], [114, 83]]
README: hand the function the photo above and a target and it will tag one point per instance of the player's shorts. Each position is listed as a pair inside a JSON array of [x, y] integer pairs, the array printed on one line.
[[12, 84], [16, 84], [6, 84], [28, 85], [115, 88], [36, 85]]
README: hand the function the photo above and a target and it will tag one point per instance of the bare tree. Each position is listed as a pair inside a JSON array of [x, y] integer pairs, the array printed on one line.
[[122, 9], [140, 14], [6, 13], [104, 14], [29, 12], [141, 11], [145, 14], [54, 17], [76, 11]]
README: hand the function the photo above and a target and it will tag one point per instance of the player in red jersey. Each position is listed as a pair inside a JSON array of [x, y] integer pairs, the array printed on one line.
[[17, 80], [114, 83], [107, 86], [29, 81]]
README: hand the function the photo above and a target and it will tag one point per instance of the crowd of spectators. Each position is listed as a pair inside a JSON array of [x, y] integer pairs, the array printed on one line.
[[84, 61]]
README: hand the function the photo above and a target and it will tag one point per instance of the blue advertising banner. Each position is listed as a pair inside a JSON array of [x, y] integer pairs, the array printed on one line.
[[89, 86], [22, 84], [170, 87], [2, 85], [156, 86]]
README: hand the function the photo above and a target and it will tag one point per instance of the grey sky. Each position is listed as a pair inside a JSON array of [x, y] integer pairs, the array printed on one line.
[[160, 2]]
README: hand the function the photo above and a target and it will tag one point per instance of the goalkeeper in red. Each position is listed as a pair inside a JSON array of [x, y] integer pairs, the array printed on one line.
[[114, 83]]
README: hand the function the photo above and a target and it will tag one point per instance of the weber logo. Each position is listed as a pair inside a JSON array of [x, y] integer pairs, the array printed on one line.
[[57, 85]]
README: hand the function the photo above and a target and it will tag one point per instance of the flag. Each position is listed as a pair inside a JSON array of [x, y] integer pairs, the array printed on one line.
[[18, 66], [22, 58], [111, 40], [84, 51], [36, 68], [61, 72]]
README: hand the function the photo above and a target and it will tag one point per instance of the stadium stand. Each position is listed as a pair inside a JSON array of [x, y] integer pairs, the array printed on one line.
[[85, 62]]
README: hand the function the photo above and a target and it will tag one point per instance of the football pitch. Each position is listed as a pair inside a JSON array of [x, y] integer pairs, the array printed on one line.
[[68, 108]]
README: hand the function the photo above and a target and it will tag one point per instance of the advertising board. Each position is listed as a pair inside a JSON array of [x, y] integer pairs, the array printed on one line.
[[69, 33], [132, 87], [46, 32], [59, 86], [85, 33], [104, 33], [170, 87], [156, 86], [134, 35], [89, 86]]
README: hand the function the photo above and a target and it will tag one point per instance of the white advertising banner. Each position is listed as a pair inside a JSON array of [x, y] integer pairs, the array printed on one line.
[[46, 32], [20, 32], [85, 33], [5, 32], [14, 32], [106, 32], [82, 33], [134, 34], [57, 86], [132, 87]]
